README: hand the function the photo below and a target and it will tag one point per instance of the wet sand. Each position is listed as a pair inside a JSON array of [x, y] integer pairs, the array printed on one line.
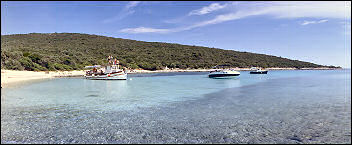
[[12, 76]]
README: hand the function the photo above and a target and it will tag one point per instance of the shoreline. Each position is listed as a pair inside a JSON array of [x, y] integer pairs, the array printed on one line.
[[14, 76], [237, 69]]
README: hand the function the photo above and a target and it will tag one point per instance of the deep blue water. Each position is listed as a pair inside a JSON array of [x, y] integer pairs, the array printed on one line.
[[286, 106]]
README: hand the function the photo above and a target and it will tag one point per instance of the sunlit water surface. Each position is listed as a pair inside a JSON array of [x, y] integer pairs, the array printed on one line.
[[179, 98]]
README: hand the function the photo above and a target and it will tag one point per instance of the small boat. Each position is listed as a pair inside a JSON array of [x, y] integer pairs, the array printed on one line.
[[105, 73], [223, 73], [255, 70], [111, 71]]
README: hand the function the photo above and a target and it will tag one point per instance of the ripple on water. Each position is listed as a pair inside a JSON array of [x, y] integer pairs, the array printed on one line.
[[274, 111]]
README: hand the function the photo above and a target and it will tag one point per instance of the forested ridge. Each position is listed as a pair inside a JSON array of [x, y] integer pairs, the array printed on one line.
[[74, 51]]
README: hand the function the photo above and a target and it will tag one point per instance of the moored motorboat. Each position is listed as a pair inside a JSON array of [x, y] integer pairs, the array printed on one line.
[[255, 70], [223, 74]]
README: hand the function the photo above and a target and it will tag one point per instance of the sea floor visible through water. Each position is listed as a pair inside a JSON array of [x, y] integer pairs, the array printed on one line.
[[280, 107]]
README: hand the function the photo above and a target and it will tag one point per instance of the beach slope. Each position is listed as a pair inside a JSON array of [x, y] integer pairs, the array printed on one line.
[[13, 76]]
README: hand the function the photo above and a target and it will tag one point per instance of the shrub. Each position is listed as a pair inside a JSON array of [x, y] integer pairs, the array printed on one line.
[[35, 57], [27, 63]]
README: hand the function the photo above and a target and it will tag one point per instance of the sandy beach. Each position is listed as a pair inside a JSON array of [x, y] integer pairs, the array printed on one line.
[[13, 76]]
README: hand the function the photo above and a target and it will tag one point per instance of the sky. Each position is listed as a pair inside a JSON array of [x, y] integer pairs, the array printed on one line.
[[318, 32]]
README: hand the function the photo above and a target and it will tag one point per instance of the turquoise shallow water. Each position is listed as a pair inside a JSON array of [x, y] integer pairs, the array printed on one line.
[[140, 90], [300, 106]]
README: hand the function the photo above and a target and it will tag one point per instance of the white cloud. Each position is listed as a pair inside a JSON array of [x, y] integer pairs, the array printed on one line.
[[322, 21], [239, 10], [308, 22], [132, 4], [313, 22], [127, 10], [144, 30], [217, 19], [322, 9], [207, 9]]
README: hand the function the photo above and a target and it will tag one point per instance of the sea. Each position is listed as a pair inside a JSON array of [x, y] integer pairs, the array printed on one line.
[[283, 106]]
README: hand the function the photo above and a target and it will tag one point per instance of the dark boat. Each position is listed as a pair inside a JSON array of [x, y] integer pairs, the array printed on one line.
[[259, 72]]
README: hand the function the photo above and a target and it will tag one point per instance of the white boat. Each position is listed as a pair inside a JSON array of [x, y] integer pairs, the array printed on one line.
[[109, 72], [223, 74], [255, 70]]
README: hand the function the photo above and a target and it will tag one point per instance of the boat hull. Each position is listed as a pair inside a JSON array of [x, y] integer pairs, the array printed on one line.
[[222, 75], [261, 72], [107, 77]]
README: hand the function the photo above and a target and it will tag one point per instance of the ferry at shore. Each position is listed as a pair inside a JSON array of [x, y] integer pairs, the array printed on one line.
[[223, 73], [111, 71], [255, 70]]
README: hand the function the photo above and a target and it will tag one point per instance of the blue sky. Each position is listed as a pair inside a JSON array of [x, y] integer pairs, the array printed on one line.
[[318, 32]]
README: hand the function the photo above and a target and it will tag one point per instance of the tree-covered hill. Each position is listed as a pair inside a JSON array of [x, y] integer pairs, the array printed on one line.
[[73, 51]]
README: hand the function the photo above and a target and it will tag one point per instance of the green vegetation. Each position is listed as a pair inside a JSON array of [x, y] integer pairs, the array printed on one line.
[[73, 51]]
